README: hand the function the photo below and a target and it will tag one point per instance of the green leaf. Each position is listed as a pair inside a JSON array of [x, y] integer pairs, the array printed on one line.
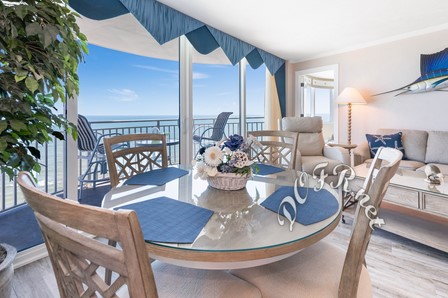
[[43, 118], [21, 72], [3, 145], [3, 126], [9, 172], [31, 84], [21, 11], [14, 160], [33, 29], [14, 33], [17, 125], [37, 167], [19, 78]]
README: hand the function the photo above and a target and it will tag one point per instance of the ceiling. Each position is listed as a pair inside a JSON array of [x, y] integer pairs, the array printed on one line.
[[298, 30]]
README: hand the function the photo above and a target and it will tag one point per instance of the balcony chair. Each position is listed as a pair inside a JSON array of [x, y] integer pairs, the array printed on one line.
[[75, 238], [323, 269], [91, 148], [211, 134], [311, 148], [145, 153], [276, 148]]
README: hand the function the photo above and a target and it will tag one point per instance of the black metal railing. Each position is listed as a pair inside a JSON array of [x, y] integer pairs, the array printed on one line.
[[51, 177]]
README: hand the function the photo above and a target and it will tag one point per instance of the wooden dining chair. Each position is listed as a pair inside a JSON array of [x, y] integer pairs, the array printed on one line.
[[145, 152], [324, 270], [274, 147], [75, 237]]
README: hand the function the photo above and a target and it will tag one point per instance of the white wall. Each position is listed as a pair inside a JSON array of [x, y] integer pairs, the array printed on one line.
[[382, 68]]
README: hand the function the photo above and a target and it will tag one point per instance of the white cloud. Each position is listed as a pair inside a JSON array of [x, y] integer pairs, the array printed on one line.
[[199, 76], [196, 75], [122, 94], [155, 68]]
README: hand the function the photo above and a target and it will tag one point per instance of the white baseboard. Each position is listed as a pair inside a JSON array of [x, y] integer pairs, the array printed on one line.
[[30, 255]]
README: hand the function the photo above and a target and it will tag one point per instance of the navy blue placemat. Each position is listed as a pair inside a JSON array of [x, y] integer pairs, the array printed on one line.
[[318, 206], [156, 177], [264, 169], [166, 220]]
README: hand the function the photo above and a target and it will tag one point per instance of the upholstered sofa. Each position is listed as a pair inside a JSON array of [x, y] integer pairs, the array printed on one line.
[[311, 148], [420, 148]]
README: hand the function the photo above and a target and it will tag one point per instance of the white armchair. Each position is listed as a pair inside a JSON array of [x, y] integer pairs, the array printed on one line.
[[311, 148]]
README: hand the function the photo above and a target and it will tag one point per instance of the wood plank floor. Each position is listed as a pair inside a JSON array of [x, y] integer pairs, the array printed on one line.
[[398, 268]]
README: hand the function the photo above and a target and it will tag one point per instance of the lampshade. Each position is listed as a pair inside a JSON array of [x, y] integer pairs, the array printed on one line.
[[350, 95]]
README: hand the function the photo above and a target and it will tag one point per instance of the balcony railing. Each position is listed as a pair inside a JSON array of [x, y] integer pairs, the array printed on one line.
[[51, 177]]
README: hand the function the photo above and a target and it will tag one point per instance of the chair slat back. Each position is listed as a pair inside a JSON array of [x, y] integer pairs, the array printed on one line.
[[86, 136], [79, 260], [277, 147], [219, 126], [145, 153], [382, 169]]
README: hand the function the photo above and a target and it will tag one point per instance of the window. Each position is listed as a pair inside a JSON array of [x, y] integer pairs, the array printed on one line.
[[255, 97], [317, 100]]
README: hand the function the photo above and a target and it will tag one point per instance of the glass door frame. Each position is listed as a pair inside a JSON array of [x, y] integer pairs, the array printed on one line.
[[298, 103]]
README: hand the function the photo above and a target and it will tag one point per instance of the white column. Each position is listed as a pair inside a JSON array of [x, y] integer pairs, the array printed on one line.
[[185, 100], [71, 153], [242, 87]]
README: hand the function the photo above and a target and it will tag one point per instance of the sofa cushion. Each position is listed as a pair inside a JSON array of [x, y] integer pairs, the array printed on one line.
[[442, 167], [404, 164], [309, 163], [390, 141], [414, 142], [437, 145]]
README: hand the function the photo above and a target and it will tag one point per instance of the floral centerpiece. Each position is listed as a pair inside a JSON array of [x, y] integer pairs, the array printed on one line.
[[227, 164]]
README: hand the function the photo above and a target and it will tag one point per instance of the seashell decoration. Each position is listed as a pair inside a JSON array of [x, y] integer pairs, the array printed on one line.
[[433, 175]]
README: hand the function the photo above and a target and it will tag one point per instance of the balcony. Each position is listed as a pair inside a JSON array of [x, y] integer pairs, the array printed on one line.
[[51, 178]]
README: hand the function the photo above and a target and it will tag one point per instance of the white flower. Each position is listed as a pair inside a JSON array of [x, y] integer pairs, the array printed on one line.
[[201, 170], [212, 171], [241, 159], [213, 156]]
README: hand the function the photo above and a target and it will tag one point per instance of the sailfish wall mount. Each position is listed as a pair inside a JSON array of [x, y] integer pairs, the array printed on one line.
[[434, 75]]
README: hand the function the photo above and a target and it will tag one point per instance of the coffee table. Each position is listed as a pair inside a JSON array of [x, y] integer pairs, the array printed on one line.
[[413, 208], [240, 233]]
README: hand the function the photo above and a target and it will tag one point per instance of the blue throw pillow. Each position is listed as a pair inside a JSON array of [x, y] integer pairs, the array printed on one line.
[[390, 141]]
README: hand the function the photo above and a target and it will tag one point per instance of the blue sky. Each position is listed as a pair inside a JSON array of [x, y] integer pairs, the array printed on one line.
[[116, 83]]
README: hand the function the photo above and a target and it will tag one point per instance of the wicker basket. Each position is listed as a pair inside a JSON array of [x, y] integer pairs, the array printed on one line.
[[228, 181]]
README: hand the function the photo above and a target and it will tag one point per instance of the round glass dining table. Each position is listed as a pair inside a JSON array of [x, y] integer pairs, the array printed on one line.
[[240, 233]]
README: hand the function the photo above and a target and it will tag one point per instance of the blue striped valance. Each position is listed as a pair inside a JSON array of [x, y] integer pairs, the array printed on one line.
[[165, 23], [205, 39]]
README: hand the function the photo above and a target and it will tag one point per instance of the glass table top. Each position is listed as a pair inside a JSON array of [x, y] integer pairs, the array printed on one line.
[[238, 222], [411, 179]]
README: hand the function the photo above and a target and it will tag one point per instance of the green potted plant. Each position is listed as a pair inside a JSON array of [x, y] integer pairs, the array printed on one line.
[[40, 48], [7, 255]]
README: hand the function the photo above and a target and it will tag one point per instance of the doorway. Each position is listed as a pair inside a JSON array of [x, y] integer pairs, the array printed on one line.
[[316, 90]]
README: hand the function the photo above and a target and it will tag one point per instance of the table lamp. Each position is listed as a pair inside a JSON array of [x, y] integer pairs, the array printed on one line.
[[350, 96]]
